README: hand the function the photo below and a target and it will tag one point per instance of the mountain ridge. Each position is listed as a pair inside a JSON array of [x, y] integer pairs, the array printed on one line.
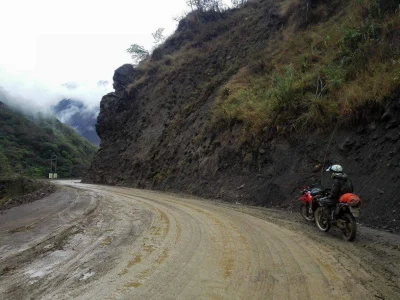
[[27, 143], [76, 115]]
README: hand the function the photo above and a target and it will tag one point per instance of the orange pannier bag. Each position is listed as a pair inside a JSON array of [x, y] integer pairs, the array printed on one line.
[[351, 199]]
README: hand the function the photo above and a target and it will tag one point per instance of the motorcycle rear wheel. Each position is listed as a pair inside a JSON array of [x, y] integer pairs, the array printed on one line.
[[305, 212], [321, 220], [350, 230]]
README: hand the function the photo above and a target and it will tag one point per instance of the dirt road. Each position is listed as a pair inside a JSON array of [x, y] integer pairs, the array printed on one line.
[[98, 242]]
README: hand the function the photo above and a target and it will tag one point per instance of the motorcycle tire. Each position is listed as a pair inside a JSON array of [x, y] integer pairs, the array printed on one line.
[[321, 220], [305, 212], [350, 230]]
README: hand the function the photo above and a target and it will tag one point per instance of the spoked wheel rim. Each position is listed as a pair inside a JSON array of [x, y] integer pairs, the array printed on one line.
[[321, 220], [347, 229], [350, 227], [305, 212]]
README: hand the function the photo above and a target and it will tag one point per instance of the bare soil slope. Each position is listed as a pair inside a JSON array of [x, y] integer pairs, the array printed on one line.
[[158, 129]]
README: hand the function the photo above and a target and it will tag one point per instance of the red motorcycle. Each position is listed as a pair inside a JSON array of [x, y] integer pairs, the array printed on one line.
[[308, 203]]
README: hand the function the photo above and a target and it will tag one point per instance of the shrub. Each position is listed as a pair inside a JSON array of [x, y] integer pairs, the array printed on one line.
[[5, 169], [334, 77], [283, 93]]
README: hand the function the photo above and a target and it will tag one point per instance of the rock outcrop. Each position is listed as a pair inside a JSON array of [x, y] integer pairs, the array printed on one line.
[[138, 149], [155, 132]]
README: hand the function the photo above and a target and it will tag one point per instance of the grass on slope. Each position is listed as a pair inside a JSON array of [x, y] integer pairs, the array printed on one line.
[[332, 62], [334, 70]]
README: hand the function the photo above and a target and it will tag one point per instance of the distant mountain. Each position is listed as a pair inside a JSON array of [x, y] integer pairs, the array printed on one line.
[[27, 144], [78, 116]]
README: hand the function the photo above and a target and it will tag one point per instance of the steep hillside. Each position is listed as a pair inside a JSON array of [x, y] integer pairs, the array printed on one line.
[[250, 104], [27, 143], [76, 115]]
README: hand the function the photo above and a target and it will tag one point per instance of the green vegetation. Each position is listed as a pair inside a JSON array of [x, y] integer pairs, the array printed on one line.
[[137, 52], [16, 186], [26, 145], [317, 65], [320, 73]]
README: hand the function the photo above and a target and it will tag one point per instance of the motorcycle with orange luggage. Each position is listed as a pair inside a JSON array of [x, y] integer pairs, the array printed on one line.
[[342, 216]]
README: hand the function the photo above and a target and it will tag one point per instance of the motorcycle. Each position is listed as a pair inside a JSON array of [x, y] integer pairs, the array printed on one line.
[[308, 204], [343, 216]]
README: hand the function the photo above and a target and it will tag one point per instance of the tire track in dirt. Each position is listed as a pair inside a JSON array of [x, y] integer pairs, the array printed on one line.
[[328, 274], [324, 277], [44, 273], [140, 244], [153, 265]]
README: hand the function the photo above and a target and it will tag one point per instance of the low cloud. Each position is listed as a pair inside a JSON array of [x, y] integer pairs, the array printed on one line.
[[32, 95], [65, 115]]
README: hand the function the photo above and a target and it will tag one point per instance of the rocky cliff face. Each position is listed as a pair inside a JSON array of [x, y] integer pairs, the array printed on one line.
[[155, 133]]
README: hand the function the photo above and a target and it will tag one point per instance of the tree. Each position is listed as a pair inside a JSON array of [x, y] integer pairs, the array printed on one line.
[[5, 169], [205, 5], [138, 53], [158, 36]]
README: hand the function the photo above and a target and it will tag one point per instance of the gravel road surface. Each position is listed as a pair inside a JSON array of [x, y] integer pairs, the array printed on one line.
[[100, 242]]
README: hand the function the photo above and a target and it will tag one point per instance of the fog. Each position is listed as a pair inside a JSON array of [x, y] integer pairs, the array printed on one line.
[[31, 95], [50, 46]]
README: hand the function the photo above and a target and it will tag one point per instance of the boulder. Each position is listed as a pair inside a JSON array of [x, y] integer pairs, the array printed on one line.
[[125, 75]]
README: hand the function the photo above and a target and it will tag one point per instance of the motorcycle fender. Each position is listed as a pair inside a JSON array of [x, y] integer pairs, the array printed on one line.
[[304, 201], [355, 211]]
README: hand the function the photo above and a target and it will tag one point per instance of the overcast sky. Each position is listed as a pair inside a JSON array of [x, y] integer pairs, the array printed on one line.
[[45, 43]]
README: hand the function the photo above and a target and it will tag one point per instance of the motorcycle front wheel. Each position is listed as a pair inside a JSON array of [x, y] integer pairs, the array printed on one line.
[[350, 227], [321, 220], [305, 212]]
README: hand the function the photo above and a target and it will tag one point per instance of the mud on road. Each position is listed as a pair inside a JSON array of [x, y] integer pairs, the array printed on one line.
[[99, 242]]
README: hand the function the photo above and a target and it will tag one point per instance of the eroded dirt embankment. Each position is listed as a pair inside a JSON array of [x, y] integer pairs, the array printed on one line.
[[98, 242], [20, 190], [139, 149], [161, 128]]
